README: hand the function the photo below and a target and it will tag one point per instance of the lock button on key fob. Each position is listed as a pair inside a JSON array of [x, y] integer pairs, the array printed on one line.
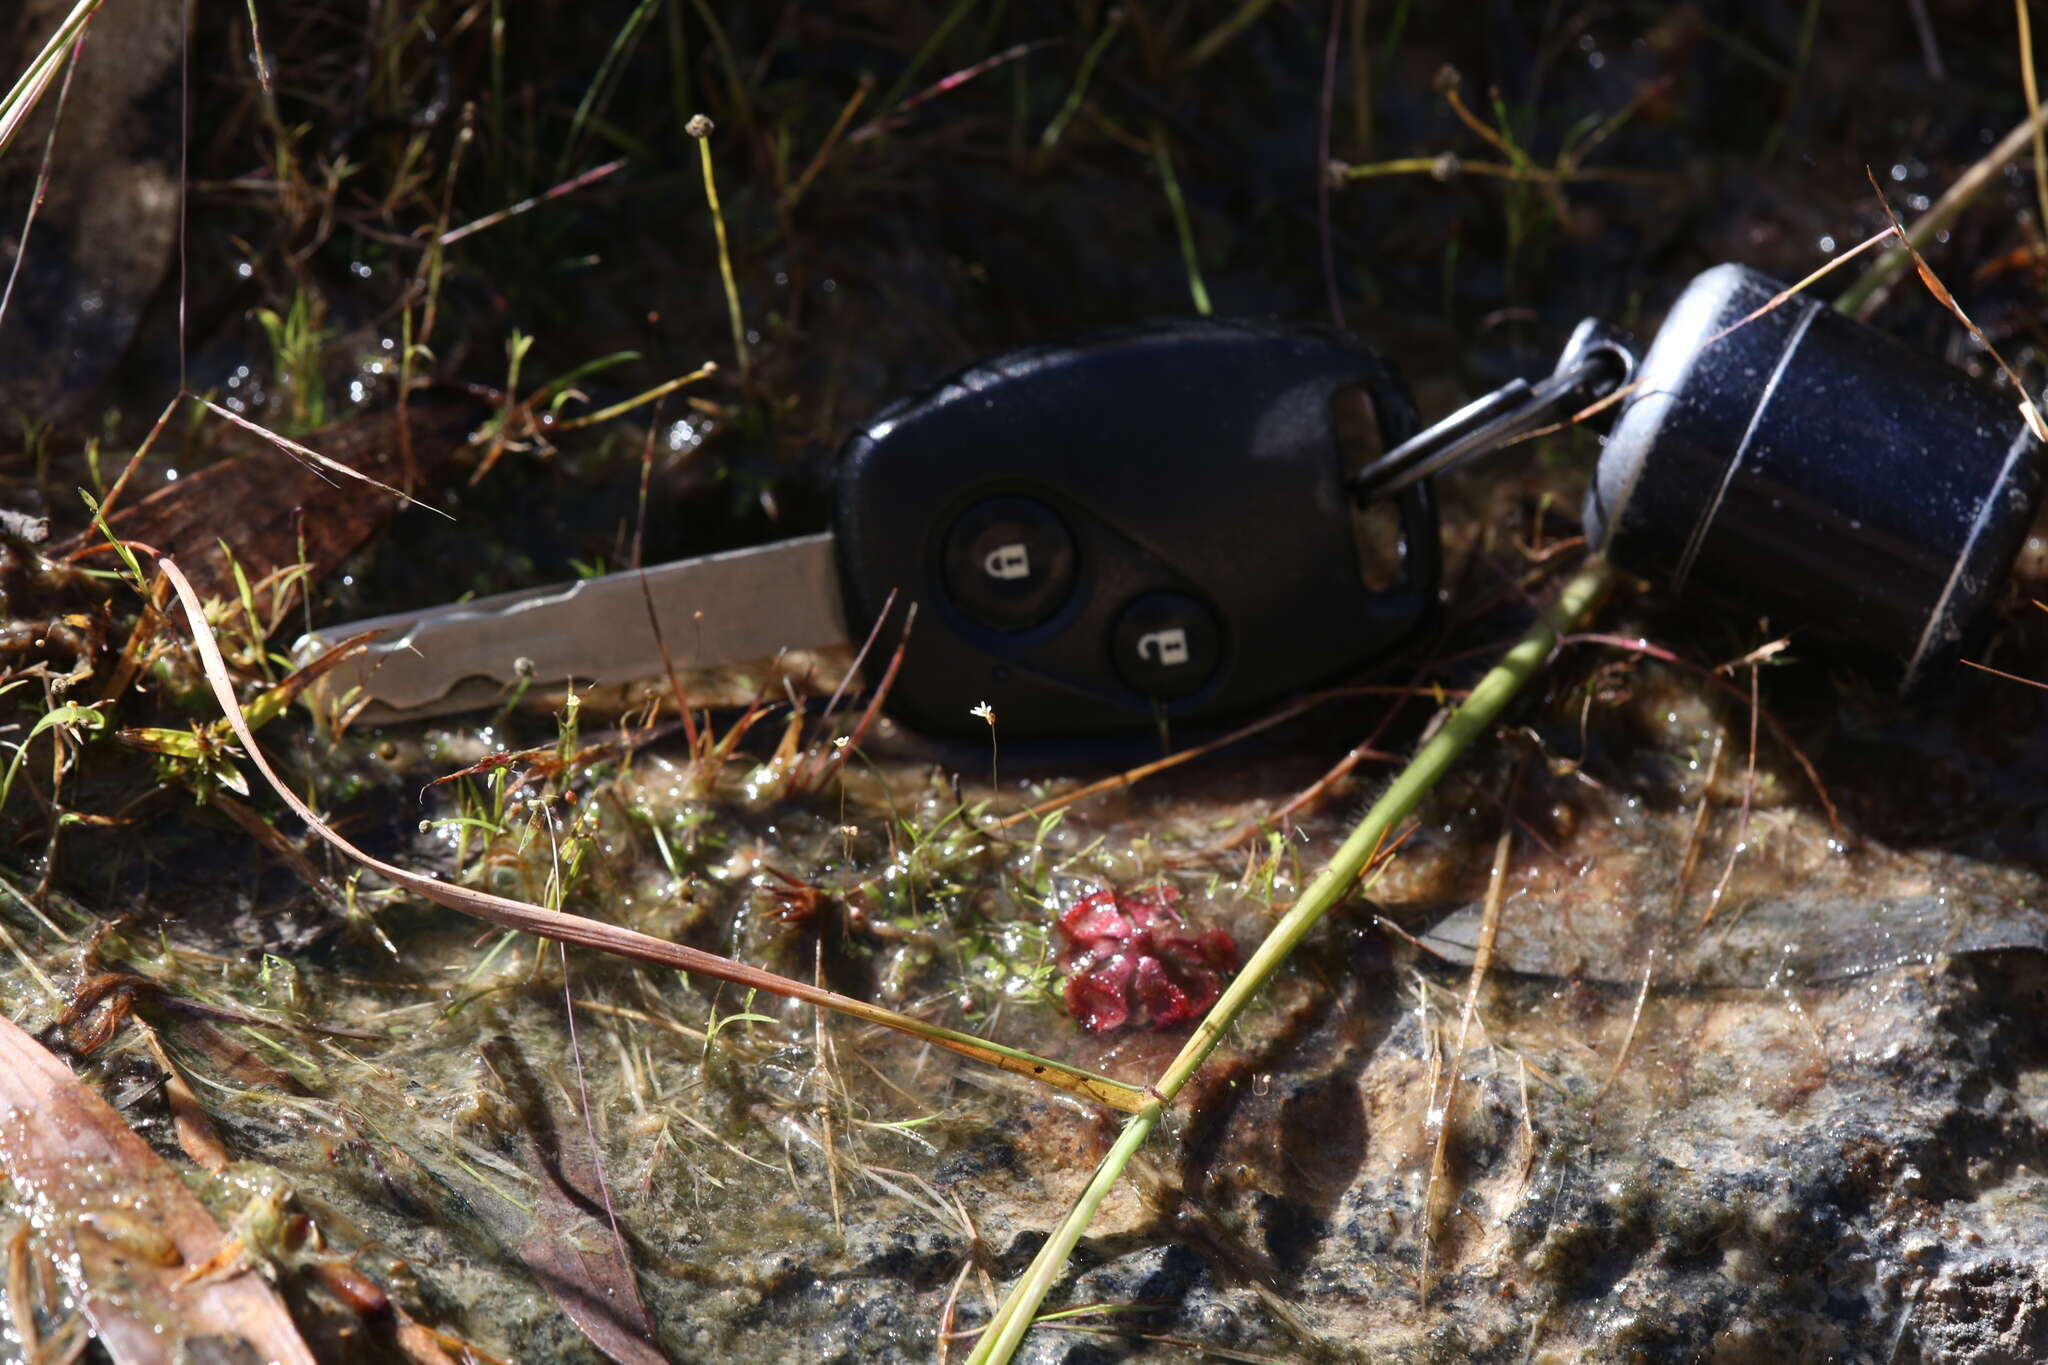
[[1009, 563]]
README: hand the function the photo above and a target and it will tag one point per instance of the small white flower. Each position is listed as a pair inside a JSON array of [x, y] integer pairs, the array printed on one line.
[[986, 712]]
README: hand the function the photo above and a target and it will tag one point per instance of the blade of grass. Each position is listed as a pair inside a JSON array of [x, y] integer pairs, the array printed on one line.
[[1163, 154], [599, 89], [562, 927], [530, 203], [626, 405], [852, 106], [42, 187], [308, 456], [1460, 729], [1056, 129], [1225, 33], [28, 88]]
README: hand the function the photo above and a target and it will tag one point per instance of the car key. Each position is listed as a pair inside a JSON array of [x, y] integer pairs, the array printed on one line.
[[1152, 523]]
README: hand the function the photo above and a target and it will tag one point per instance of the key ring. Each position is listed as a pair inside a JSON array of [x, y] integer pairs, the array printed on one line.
[[1596, 361]]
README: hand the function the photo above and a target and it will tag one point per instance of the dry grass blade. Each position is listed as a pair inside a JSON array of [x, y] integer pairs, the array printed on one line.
[[314, 457], [1130, 777], [528, 918], [282, 515], [569, 186], [1775, 301], [121, 1227], [2028, 409], [2001, 673], [1741, 839], [1443, 1111]]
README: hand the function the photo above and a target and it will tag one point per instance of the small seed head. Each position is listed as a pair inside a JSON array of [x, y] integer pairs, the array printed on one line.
[[699, 127]]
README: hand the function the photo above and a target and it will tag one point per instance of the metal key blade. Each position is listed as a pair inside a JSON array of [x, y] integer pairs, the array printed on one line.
[[716, 609]]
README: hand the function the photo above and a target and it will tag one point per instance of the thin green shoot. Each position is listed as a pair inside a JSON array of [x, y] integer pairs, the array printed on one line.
[[68, 716], [253, 623], [1225, 33], [1163, 155], [701, 129], [1057, 128], [601, 84], [638, 400], [136, 579]]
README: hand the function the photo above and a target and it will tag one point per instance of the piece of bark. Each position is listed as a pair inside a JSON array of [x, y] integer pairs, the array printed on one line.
[[122, 1228], [262, 501]]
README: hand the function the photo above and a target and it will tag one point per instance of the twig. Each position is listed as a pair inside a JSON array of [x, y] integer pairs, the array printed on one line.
[[2028, 410], [1741, 839], [1442, 1111]]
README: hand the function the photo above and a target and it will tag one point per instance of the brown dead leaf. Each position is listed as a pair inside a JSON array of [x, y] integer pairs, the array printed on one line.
[[255, 496], [572, 1247], [197, 1137]]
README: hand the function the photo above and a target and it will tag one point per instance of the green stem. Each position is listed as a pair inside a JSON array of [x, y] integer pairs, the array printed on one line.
[[1163, 154], [732, 289], [1464, 725]]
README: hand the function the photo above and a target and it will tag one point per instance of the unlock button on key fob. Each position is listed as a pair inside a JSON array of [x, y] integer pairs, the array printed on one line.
[[1166, 645], [1009, 562]]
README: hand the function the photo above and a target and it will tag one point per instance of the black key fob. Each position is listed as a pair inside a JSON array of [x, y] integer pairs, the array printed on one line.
[[1148, 524]]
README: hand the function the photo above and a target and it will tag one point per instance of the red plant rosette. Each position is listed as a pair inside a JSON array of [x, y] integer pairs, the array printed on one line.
[[1128, 961]]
